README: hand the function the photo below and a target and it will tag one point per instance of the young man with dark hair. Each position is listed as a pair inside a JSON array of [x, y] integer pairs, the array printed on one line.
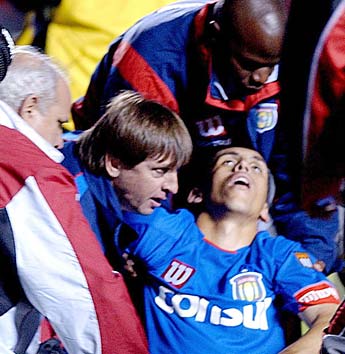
[[213, 282]]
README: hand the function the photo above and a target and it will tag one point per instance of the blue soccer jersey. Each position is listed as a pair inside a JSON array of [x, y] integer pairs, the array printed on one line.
[[203, 299]]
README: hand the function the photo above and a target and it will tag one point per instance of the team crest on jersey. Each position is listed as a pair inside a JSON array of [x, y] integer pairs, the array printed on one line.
[[304, 259], [248, 286], [266, 116], [177, 274]]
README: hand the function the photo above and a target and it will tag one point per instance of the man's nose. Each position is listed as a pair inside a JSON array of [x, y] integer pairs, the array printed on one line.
[[241, 165], [260, 75], [171, 182], [59, 143]]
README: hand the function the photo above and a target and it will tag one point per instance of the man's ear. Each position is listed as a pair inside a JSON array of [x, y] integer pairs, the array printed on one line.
[[113, 166], [195, 196], [29, 108], [264, 214]]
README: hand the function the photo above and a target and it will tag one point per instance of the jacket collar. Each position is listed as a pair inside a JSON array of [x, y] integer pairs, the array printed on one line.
[[10, 119]]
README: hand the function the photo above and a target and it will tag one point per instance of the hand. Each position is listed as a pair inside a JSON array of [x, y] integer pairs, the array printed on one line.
[[129, 266], [319, 265]]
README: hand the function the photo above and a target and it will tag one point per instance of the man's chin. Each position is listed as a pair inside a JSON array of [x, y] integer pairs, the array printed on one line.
[[250, 90], [149, 206], [146, 210]]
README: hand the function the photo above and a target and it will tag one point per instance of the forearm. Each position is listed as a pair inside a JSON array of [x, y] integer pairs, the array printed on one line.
[[310, 342]]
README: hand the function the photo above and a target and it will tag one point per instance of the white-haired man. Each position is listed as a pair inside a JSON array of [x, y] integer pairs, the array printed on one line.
[[51, 263]]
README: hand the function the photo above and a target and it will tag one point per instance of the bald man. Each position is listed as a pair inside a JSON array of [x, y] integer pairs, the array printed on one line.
[[216, 64], [195, 57]]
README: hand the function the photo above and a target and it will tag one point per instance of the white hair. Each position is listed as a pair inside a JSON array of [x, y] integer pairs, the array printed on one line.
[[31, 73]]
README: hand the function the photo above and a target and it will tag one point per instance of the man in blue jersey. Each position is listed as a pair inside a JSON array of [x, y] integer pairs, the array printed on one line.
[[213, 283], [216, 64], [127, 161]]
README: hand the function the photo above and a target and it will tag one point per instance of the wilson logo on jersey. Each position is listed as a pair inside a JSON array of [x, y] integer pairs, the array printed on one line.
[[252, 316], [248, 286], [211, 127], [177, 274]]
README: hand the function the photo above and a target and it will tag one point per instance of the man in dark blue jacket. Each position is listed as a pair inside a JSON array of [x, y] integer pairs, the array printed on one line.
[[216, 64]]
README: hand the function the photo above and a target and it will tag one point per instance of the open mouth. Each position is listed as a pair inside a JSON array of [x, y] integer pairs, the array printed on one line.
[[157, 201], [239, 181], [242, 181]]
